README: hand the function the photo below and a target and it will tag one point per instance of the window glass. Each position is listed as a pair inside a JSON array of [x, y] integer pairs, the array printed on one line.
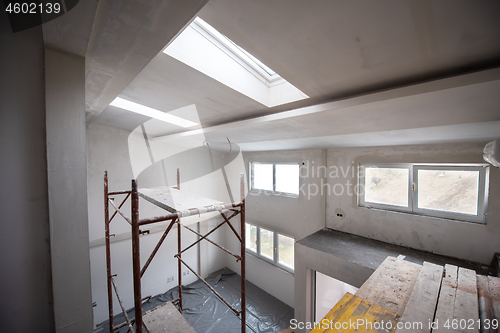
[[267, 243], [287, 178], [285, 250], [262, 176], [448, 190], [387, 186], [251, 237]]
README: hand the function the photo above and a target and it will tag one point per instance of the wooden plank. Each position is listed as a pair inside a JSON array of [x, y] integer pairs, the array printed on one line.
[[391, 284], [354, 314], [166, 319], [446, 300], [419, 311], [485, 309], [482, 283], [494, 285], [174, 200], [466, 309]]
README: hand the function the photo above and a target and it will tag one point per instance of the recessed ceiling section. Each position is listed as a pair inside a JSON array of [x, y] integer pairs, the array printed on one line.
[[166, 117], [205, 49]]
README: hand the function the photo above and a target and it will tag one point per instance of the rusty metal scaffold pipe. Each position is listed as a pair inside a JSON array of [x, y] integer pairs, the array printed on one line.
[[116, 212], [160, 242], [230, 225], [119, 192], [238, 258], [125, 217], [243, 273], [108, 252], [179, 267], [129, 323], [136, 258], [209, 286], [189, 212]]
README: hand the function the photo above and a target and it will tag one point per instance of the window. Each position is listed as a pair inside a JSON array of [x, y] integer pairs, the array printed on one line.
[[208, 51], [251, 237], [271, 246], [285, 250], [449, 191], [279, 178]]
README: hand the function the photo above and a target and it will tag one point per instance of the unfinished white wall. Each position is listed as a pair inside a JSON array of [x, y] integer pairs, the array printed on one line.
[[25, 278], [108, 149], [67, 182], [297, 217], [470, 241]]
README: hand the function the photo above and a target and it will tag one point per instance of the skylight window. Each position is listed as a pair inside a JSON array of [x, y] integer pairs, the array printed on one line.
[[267, 73], [150, 112], [205, 49]]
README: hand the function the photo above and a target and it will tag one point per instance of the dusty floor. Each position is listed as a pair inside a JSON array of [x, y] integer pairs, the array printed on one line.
[[207, 314]]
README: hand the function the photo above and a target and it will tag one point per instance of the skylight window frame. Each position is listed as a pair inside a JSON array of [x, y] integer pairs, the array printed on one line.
[[237, 53]]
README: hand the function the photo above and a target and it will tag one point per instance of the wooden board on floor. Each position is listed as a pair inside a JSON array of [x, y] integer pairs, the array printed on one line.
[[354, 314], [166, 319], [446, 300], [494, 285], [465, 309], [422, 303], [391, 284]]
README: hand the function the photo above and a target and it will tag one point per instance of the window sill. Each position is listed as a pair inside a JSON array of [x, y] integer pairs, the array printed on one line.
[[483, 222], [256, 193]]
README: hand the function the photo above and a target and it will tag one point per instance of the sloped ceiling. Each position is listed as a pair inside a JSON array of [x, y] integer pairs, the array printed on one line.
[[338, 51]]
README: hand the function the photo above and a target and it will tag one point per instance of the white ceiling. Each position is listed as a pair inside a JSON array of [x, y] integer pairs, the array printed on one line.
[[374, 72]]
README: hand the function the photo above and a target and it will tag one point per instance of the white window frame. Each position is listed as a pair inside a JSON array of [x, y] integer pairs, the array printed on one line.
[[251, 178], [245, 59], [361, 197], [412, 208], [482, 192], [274, 261]]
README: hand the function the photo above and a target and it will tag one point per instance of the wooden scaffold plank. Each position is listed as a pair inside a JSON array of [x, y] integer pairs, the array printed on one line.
[[421, 306], [446, 298], [391, 284]]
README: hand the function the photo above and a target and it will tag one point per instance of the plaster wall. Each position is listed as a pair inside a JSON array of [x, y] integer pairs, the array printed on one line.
[[67, 188], [26, 278], [294, 216], [464, 240], [308, 260], [108, 149]]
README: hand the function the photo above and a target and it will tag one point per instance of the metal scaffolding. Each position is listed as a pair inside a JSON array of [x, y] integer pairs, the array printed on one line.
[[175, 218]]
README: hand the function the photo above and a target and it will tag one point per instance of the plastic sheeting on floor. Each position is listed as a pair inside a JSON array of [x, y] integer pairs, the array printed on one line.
[[207, 314]]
